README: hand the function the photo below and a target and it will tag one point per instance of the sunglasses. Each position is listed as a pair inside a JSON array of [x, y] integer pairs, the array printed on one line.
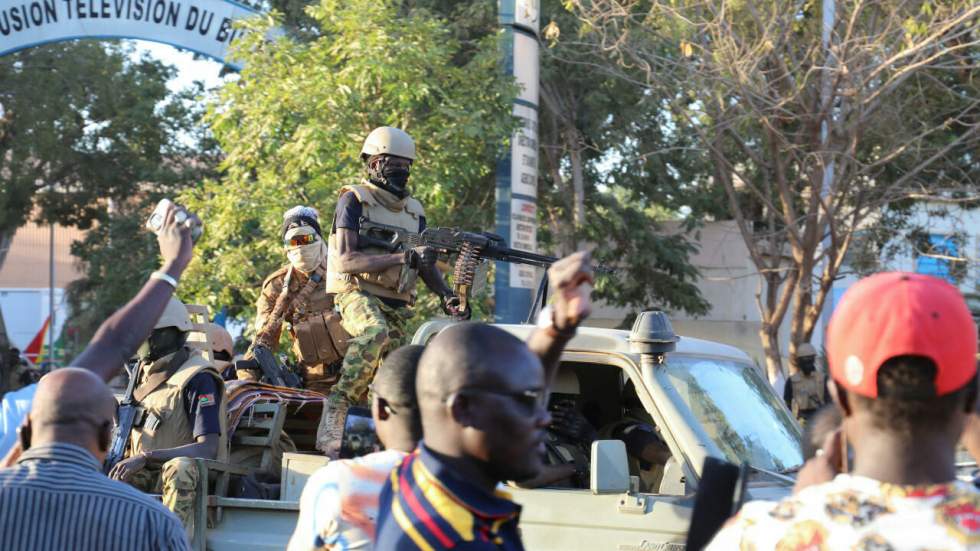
[[299, 240], [530, 400]]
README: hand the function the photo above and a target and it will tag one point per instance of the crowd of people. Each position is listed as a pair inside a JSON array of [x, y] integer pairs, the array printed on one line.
[[468, 412]]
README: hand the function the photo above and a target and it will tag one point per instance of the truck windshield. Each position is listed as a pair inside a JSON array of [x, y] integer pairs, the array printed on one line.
[[736, 409]]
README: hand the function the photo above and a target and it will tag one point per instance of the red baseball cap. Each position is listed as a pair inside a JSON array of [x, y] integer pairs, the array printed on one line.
[[901, 314]]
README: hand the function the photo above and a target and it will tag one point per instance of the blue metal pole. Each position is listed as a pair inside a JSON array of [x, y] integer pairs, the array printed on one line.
[[517, 170]]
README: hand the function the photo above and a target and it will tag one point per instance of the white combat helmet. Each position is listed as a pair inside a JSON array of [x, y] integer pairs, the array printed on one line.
[[390, 141], [805, 350], [220, 339], [175, 315]]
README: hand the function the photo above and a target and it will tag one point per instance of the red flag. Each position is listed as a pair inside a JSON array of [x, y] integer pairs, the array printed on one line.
[[34, 349]]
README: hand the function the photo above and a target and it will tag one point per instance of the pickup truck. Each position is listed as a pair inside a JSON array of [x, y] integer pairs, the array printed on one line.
[[704, 398]]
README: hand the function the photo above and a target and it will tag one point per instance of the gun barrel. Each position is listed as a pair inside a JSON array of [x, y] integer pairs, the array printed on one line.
[[519, 257]]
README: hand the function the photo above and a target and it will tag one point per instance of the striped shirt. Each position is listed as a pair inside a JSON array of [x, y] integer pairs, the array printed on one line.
[[339, 507], [425, 505], [56, 497]]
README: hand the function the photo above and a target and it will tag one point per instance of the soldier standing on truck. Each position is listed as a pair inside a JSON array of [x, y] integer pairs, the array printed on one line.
[[806, 390], [295, 294], [375, 288], [183, 416]]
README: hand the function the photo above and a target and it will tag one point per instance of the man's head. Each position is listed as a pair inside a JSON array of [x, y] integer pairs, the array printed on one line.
[[902, 353], [394, 406], [71, 406], [169, 334], [388, 154], [806, 358], [482, 393], [303, 239]]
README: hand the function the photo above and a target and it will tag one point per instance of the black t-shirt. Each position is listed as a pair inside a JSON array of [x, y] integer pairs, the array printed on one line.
[[201, 399], [348, 216]]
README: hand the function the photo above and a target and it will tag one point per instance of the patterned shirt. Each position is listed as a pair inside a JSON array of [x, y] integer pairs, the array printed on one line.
[[339, 507], [56, 497], [425, 505], [853, 512]]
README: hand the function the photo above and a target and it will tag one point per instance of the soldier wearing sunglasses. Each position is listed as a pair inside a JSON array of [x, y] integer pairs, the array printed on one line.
[[295, 295]]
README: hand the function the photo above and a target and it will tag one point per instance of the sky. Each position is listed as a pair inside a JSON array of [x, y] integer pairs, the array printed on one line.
[[189, 69]]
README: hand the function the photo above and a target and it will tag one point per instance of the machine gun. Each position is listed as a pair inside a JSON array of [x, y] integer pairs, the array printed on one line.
[[471, 250], [128, 415]]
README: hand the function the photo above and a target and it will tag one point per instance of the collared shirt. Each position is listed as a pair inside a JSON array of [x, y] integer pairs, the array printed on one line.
[[339, 507], [425, 505], [56, 497], [853, 512], [13, 411]]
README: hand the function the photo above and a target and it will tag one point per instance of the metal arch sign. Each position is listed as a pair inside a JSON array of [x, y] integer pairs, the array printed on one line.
[[202, 26]]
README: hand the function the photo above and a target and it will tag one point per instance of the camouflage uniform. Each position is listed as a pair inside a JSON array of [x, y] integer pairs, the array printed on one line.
[[177, 482], [316, 376], [375, 330]]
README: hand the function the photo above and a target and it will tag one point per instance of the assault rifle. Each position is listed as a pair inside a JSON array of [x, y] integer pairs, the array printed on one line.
[[273, 372], [471, 250], [128, 414]]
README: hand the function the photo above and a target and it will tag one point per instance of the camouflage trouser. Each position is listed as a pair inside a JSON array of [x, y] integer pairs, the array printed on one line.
[[177, 482], [375, 329]]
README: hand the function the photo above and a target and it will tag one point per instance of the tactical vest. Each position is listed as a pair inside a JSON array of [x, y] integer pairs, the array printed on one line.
[[165, 424], [807, 392], [318, 338], [384, 283]]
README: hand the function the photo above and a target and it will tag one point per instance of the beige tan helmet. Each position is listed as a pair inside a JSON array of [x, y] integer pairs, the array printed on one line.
[[390, 141], [805, 350], [175, 315], [220, 339]]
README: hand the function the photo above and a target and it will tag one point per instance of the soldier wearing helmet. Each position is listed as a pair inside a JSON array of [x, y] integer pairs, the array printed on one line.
[[806, 390], [222, 350], [181, 395], [375, 288], [295, 295]]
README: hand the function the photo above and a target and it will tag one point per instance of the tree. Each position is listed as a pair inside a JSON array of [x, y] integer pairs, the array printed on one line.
[[812, 129], [292, 125], [84, 126], [596, 185]]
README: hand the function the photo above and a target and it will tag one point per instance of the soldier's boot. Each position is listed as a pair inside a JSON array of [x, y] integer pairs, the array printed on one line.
[[180, 477], [330, 433]]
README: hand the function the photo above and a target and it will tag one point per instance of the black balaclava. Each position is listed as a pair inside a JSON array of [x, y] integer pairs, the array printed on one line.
[[389, 178], [162, 342], [807, 364]]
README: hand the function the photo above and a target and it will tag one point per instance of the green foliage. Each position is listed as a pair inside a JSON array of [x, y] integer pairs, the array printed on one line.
[[88, 135], [292, 125], [637, 171], [81, 123]]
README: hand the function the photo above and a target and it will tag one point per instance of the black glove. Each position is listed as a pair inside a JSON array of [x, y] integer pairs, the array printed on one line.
[[568, 421], [420, 257]]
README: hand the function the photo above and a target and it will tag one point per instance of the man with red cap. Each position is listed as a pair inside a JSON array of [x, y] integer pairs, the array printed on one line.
[[902, 353]]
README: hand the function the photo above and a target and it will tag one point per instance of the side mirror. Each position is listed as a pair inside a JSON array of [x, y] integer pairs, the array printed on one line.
[[610, 468]]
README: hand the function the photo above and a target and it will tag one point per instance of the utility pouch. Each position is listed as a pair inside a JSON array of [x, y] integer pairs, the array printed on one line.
[[320, 339]]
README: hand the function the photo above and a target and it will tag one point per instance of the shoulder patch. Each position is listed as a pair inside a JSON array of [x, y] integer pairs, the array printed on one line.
[[206, 400]]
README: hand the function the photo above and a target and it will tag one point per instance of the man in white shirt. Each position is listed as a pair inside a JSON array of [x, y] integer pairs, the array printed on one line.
[[339, 506], [902, 352]]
